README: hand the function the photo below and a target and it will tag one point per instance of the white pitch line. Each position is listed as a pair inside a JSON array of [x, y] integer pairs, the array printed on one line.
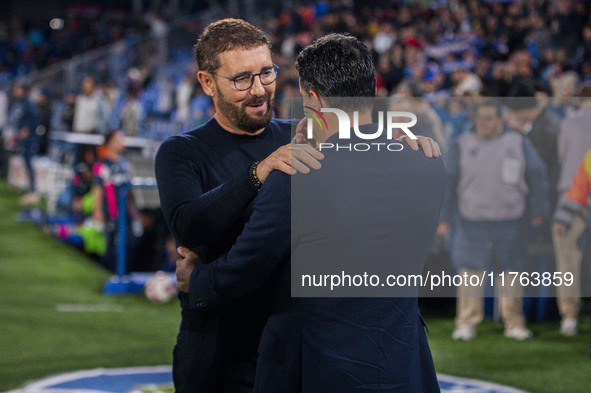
[[42, 386], [89, 308]]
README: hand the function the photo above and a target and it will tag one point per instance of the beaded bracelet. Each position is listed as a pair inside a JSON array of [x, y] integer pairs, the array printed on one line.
[[252, 175]]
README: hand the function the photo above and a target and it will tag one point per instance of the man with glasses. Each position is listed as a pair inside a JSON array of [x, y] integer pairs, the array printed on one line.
[[207, 181], [206, 185], [245, 80]]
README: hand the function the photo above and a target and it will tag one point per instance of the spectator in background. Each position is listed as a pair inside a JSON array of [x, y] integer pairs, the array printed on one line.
[[111, 95], [574, 204], [81, 203], [465, 82], [390, 69], [183, 99], [494, 175], [574, 141], [532, 117], [111, 172], [428, 122], [3, 123], [90, 111], [24, 117], [528, 116], [45, 112], [67, 107], [201, 107], [384, 38], [132, 114], [159, 32], [3, 109], [289, 91], [79, 196], [165, 103], [27, 43], [456, 118], [520, 66]]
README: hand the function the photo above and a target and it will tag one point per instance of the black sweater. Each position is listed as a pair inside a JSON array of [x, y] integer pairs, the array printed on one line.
[[206, 196]]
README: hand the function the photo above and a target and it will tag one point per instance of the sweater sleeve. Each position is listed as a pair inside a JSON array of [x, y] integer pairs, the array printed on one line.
[[260, 248], [196, 216]]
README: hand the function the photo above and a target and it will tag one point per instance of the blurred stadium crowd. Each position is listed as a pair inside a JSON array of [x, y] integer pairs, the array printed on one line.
[[143, 82], [421, 48], [27, 44]]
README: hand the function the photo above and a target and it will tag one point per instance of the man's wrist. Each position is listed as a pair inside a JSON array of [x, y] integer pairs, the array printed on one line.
[[252, 175]]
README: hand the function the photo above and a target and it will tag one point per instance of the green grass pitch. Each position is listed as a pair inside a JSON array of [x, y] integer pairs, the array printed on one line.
[[39, 273]]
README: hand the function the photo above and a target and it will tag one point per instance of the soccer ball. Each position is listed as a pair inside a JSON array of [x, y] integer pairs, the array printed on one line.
[[160, 288]]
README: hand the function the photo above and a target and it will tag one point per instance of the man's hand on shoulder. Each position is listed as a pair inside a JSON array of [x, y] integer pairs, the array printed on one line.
[[430, 147], [291, 159], [184, 267], [300, 157]]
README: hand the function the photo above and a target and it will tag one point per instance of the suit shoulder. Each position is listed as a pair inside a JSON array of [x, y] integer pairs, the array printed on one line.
[[416, 165]]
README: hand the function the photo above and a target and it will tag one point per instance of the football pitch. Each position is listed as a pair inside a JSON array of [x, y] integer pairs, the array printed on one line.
[[54, 319]]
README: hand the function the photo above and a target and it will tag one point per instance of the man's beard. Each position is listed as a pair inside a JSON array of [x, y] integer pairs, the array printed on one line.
[[242, 120]]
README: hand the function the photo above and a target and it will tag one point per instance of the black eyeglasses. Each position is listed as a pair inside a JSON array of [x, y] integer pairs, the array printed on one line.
[[244, 81]]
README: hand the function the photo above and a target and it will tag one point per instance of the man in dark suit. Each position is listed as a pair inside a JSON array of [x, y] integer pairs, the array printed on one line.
[[357, 203]]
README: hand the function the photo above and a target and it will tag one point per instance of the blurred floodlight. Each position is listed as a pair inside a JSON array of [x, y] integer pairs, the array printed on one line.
[[56, 23]]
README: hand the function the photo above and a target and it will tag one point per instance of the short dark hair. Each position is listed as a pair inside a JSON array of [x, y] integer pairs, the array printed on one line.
[[521, 96], [337, 65], [224, 35]]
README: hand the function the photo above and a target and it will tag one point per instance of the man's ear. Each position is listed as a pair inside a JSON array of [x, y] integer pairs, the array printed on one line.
[[317, 100], [207, 82]]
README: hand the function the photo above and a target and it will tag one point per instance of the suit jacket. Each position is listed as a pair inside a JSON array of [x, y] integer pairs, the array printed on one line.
[[337, 344]]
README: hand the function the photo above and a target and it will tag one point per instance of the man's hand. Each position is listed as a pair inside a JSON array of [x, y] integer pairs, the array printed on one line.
[[430, 147], [291, 159], [559, 229], [184, 266]]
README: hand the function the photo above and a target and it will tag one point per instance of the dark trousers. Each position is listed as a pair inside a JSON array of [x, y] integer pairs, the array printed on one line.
[[29, 148], [199, 367]]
